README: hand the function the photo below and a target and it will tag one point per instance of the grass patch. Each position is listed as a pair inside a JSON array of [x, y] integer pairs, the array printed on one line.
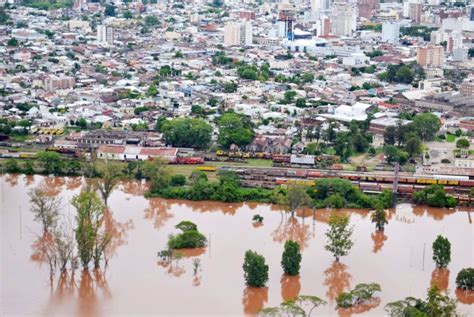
[[450, 137]]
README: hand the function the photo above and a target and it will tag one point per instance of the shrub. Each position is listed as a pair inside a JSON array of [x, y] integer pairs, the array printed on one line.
[[255, 269], [291, 258], [187, 239], [178, 180], [465, 279]]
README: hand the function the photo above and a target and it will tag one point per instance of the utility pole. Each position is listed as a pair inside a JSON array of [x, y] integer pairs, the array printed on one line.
[[396, 176]]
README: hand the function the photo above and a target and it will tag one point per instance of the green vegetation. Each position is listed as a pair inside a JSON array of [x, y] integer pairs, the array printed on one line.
[[361, 294], [190, 237], [380, 219], [235, 129], [48, 4], [441, 252], [465, 279], [339, 236], [462, 143], [253, 72], [91, 242], [421, 31], [110, 174], [405, 74], [227, 189], [4, 16], [435, 304], [45, 208], [294, 198], [339, 193], [435, 196], [255, 269], [187, 132], [257, 218], [291, 258], [302, 305], [109, 10]]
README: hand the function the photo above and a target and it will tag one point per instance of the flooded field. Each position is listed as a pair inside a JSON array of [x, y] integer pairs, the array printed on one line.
[[136, 282]]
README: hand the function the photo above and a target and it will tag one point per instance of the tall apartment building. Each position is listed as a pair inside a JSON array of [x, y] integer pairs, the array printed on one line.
[[415, 12], [238, 34], [367, 8], [105, 34], [54, 82], [343, 19], [431, 55], [324, 27], [390, 32]]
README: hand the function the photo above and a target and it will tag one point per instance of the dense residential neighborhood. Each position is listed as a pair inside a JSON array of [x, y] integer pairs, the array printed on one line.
[[242, 119]]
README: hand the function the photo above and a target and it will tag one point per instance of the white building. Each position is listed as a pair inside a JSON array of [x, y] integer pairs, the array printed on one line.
[[105, 34], [238, 34], [390, 32], [343, 19]]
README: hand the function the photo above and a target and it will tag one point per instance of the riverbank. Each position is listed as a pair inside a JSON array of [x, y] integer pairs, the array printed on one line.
[[332, 192]]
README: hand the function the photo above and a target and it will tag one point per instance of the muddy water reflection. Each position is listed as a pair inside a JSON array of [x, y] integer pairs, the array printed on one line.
[[379, 239], [136, 282], [290, 287], [337, 280], [254, 299]]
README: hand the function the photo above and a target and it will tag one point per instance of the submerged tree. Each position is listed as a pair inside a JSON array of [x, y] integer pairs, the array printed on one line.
[[255, 269], [303, 305], [91, 242], [339, 236], [291, 258], [435, 304], [441, 252], [380, 219], [45, 208], [295, 198], [110, 173]]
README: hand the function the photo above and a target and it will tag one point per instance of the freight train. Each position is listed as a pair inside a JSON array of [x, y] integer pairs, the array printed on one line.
[[272, 177]]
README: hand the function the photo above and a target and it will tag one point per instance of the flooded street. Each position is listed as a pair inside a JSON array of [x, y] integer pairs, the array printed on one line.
[[137, 282]]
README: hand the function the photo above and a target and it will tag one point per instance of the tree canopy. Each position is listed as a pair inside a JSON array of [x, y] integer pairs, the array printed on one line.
[[235, 129], [187, 132]]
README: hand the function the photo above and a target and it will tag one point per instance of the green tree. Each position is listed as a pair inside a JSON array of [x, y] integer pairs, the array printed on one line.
[[110, 173], [296, 197], [462, 143], [109, 10], [436, 305], [151, 20], [91, 243], [52, 162], [234, 129], [152, 90], [127, 15], [255, 269], [45, 208], [158, 175], [159, 123], [380, 219], [4, 16], [13, 42], [339, 236], [426, 125], [11, 166], [413, 146], [465, 279], [187, 132], [291, 258], [441, 252]]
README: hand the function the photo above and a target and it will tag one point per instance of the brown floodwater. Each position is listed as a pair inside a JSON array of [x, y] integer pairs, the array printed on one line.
[[209, 281]]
